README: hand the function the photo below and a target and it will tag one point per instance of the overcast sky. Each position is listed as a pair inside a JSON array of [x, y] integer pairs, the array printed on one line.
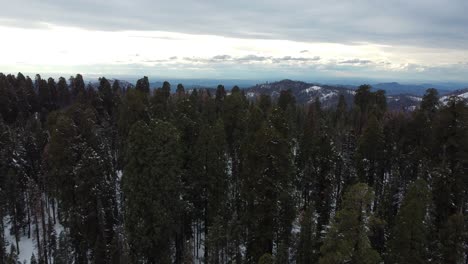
[[412, 41]]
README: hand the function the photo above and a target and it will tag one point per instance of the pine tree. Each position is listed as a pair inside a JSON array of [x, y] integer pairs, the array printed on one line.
[[315, 162], [106, 95], [452, 239], [450, 159], [180, 91], [347, 241], [77, 86], [210, 181], [306, 252], [370, 154], [410, 236], [82, 178], [151, 183], [133, 109], [267, 171], [266, 258], [8, 100], [63, 92], [142, 85]]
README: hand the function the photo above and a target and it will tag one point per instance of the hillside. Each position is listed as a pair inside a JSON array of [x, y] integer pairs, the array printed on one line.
[[306, 93]]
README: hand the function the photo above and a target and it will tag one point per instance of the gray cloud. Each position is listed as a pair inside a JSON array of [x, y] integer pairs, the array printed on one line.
[[436, 23], [251, 59], [221, 57], [355, 74], [295, 59], [156, 61], [356, 61]]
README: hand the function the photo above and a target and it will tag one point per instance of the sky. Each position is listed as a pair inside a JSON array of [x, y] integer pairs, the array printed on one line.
[[393, 40]]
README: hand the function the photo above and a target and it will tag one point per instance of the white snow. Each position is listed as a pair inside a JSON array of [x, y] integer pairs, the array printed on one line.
[[311, 89], [250, 94], [444, 99], [411, 107], [414, 98], [198, 243], [26, 245], [328, 96]]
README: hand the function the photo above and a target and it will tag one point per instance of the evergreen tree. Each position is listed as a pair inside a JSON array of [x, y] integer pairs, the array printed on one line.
[[453, 240], [306, 252], [211, 182], [63, 92], [370, 154], [142, 85], [410, 240], [151, 183], [77, 86], [347, 241], [267, 181], [106, 95]]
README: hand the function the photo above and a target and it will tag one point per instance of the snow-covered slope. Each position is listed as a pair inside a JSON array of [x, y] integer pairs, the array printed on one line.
[[27, 246], [306, 93]]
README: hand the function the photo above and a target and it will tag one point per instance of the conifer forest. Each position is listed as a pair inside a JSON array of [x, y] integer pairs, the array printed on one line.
[[118, 173]]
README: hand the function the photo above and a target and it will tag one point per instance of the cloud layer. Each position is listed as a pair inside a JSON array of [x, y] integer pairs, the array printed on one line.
[[440, 23], [333, 37]]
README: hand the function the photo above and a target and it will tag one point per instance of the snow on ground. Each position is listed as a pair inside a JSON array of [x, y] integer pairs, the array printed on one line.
[[411, 108], [26, 245], [198, 244], [414, 98], [311, 89], [444, 99], [328, 96], [250, 95]]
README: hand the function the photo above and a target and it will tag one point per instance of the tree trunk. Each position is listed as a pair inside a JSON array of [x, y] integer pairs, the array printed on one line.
[[44, 230], [15, 227], [38, 238], [53, 210]]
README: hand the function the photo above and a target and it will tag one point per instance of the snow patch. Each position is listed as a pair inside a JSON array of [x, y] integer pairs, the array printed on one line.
[[312, 89], [411, 108], [414, 98], [250, 95], [444, 99], [328, 96], [26, 245], [463, 95]]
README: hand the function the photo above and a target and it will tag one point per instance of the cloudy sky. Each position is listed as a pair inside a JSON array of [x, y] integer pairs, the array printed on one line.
[[412, 41]]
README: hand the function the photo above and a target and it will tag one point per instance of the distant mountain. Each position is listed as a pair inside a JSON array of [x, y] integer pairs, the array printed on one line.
[[304, 92], [122, 83], [399, 96], [205, 83], [328, 95], [394, 88], [463, 93]]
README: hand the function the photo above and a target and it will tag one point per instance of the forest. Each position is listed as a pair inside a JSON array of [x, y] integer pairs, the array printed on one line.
[[111, 174]]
